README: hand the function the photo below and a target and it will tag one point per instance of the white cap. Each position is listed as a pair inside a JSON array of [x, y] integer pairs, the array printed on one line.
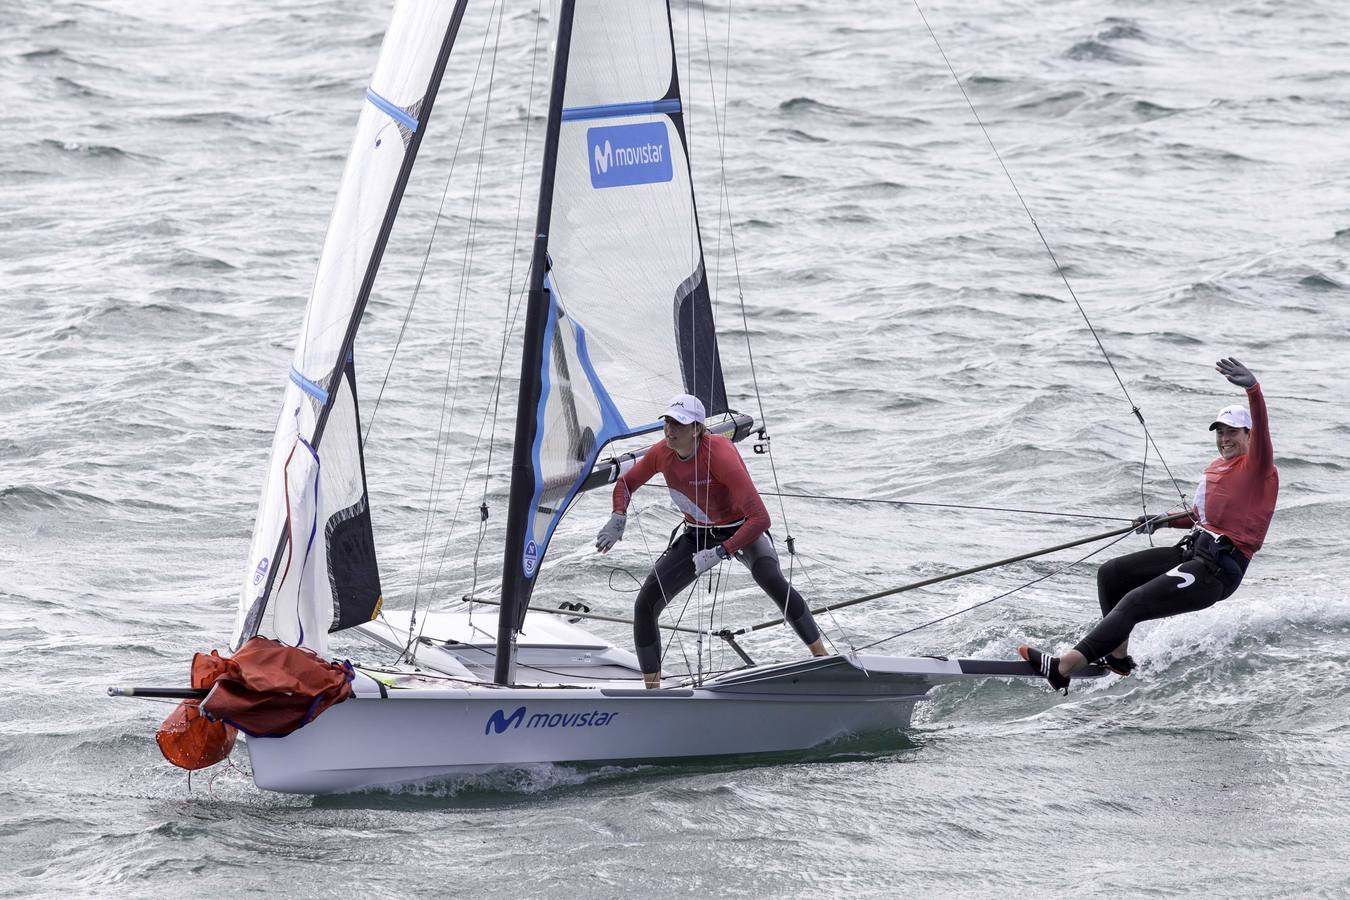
[[685, 408], [1233, 417]]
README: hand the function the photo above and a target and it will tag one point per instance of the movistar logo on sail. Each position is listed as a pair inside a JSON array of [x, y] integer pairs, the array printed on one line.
[[623, 155], [500, 721]]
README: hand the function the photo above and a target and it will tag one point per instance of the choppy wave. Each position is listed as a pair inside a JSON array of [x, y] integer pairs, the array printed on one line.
[[912, 339], [97, 152]]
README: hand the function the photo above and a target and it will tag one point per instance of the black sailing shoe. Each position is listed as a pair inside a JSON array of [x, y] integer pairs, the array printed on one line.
[[1046, 666], [1122, 665]]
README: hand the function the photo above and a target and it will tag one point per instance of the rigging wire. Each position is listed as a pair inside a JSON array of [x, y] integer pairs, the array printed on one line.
[[848, 639], [1008, 509], [437, 466], [470, 246], [1134, 407], [961, 573], [422, 270], [508, 320], [740, 290], [652, 558], [509, 314], [974, 606]]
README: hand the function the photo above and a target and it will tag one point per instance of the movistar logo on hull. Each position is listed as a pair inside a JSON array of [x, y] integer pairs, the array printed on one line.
[[629, 154], [500, 721]]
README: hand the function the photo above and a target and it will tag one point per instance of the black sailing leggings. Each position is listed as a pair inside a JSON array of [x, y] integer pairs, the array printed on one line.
[[1155, 584], [674, 572]]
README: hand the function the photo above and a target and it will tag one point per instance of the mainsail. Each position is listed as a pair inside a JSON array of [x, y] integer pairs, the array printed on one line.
[[312, 566], [619, 317]]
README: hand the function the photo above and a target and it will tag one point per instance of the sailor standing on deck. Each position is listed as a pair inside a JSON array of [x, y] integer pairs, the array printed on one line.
[[1233, 507], [724, 517]]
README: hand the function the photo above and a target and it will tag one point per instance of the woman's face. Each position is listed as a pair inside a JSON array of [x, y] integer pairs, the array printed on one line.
[[1232, 442], [681, 438]]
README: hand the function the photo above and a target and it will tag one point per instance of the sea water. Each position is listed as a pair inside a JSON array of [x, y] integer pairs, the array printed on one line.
[[166, 173]]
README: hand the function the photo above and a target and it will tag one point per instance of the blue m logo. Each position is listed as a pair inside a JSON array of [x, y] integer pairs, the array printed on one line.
[[602, 158], [500, 721]]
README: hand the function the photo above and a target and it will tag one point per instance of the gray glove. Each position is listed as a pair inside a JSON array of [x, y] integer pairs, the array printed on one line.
[[1235, 372], [706, 559], [1148, 524], [611, 534]]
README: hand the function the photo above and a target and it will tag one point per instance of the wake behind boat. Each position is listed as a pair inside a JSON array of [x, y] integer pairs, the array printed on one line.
[[618, 319]]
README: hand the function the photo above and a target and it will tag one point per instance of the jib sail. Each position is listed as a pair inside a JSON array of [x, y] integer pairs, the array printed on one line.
[[312, 566]]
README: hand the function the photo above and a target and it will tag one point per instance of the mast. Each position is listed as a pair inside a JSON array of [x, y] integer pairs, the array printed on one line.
[[514, 577]]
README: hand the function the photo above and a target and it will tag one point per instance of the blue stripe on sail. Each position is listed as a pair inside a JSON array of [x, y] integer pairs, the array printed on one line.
[[309, 387], [395, 112], [613, 110], [644, 429], [612, 427], [614, 423]]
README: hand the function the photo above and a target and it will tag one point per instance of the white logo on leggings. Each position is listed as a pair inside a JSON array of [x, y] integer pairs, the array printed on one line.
[[1187, 579]]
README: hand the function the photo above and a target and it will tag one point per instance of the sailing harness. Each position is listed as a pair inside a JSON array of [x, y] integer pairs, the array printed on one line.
[[1220, 558]]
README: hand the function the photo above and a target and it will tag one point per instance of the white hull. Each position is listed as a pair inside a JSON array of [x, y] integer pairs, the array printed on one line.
[[423, 734]]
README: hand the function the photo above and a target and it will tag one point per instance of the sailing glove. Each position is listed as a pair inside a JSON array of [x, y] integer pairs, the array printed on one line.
[[706, 559], [1148, 524], [611, 534], [1235, 372]]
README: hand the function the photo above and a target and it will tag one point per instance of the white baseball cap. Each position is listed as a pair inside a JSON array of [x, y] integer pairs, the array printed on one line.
[[1233, 417], [685, 408]]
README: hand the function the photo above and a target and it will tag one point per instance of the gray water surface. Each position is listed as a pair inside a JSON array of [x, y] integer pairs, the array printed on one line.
[[166, 173]]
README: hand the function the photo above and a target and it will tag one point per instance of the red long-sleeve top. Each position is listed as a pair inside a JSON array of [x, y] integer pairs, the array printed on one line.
[[1236, 497], [711, 487]]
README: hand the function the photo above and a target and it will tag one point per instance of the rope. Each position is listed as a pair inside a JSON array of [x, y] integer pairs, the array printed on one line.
[[1134, 407]]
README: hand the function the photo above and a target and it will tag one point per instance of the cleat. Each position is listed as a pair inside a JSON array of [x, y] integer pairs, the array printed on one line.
[[1121, 665], [1047, 667]]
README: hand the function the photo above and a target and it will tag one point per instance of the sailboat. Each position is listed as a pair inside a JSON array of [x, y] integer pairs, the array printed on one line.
[[618, 319]]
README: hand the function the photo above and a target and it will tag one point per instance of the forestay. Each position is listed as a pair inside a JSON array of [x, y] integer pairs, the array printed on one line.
[[312, 566], [623, 304]]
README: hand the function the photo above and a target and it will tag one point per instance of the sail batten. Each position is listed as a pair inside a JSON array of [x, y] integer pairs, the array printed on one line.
[[309, 387], [614, 110], [391, 109]]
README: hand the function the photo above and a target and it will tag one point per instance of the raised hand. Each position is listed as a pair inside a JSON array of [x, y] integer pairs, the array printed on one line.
[[1235, 372]]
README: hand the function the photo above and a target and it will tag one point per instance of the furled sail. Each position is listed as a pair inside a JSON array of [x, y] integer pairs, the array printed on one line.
[[312, 566], [620, 298]]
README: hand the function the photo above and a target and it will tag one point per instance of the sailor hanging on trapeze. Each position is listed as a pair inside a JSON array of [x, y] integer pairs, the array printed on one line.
[[1233, 507]]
